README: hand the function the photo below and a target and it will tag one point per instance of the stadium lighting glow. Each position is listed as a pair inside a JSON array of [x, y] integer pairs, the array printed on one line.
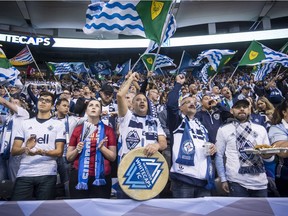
[[174, 42]]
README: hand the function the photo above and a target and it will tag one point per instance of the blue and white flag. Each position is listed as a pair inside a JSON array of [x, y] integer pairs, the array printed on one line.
[[124, 68], [8, 76], [203, 75], [163, 61], [100, 66], [170, 31], [263, 70], [79, 67], [216, 57], [60, 68], [272, 56], [186, 62]]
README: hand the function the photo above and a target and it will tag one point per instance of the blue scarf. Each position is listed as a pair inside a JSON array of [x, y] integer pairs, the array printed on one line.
[[7, 139], [187, 148], [83, 172], [187, 153]]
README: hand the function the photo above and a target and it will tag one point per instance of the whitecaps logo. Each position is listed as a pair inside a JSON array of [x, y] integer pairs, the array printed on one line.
[[143, 173]]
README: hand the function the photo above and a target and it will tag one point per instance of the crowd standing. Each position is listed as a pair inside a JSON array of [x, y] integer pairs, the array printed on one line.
[[65, 139]]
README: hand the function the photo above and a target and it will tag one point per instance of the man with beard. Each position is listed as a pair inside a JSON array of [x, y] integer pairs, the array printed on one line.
[[242, 174]]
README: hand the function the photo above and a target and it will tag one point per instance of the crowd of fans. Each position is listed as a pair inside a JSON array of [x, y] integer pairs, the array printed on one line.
[[62, 139]]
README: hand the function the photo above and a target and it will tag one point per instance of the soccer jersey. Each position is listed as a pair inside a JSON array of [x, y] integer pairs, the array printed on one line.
[[47, 132], [137, 131]]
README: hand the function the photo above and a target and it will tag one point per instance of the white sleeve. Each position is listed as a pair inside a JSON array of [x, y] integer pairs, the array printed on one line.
[[219, 159]]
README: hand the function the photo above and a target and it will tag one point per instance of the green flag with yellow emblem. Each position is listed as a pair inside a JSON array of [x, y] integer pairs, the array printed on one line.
[[153, 15], [148, 60], [253, 55]]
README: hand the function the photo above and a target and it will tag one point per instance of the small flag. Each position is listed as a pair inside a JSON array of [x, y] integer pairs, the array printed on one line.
[[100, 66], [8, 73], [217, 58], [138, 17], [59, 68], [24, 57], [257, 53], [161, 61], [79, 67], [125, 68], [186, 62]]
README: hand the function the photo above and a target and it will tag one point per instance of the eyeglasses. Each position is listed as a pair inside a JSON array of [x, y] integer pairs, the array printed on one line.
[[188, 102], [42, 100]]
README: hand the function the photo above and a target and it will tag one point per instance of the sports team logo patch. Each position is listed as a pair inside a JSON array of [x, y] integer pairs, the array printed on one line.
[[142, 177], [132, 139], [143, 173], [188, 147], [50, 128]]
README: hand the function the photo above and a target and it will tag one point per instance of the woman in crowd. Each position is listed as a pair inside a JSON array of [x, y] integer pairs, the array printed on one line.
[[278, 135], [92, 148], [263, 105]]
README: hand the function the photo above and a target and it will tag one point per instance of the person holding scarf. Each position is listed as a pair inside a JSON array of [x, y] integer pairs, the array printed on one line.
[[192, 173], [242, 174], [92, 148]]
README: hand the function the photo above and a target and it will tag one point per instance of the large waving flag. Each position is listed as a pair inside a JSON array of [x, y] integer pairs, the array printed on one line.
[[24, 57], [217, 58], [60, 68], [169, 32], [257, 53], [137, 17], [8, 73], [161, 61], [206, 72]]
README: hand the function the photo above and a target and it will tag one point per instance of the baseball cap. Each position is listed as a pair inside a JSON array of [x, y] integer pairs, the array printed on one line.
[[107, 88], [242, 102], [246, 87]]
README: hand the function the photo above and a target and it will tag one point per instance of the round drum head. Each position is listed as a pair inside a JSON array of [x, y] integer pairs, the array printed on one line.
[[142, 177]]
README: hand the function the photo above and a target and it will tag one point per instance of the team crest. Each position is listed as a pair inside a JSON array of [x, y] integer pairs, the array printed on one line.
[[253, 55], [216, 116], [143, 173], [188, 147], [156, 8], [50, 128], [132, 139]]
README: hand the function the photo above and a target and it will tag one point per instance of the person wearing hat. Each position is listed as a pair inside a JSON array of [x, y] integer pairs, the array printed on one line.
[[81, 103], [242, 174], [191, 173], [109, 107]]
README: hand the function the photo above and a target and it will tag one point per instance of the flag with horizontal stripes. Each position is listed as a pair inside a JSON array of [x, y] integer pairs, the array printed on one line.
[[169, 32], [216, 57], [206, 72], [24, 57], [60, 68], [161, 61], [257, 53], [139, 17], [263, 70]]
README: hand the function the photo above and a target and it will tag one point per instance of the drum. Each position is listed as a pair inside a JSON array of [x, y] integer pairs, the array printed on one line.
[[142, 177]]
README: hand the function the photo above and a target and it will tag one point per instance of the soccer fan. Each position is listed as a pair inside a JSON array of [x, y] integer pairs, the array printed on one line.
[[92, 148], [40, 141], [191, 172]]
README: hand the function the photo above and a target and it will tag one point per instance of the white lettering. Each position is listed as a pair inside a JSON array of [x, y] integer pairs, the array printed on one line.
[[46, 42], [15, 39], [31, 41], [23, 39]]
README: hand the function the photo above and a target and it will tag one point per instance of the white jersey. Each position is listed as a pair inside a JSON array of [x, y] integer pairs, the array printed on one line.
[[47, 133], [135, 131], [8, 134]]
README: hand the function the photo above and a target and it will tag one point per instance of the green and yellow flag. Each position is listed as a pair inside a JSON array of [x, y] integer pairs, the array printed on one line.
[[153, 15], [148, 60], [253, 55]]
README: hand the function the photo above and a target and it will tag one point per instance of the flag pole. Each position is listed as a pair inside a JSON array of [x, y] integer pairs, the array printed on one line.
[[35, 63], [163, 32], [180, 61]]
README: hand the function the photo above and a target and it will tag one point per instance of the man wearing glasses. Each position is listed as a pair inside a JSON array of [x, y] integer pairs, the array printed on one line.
[[191, 172], [40, 141]]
